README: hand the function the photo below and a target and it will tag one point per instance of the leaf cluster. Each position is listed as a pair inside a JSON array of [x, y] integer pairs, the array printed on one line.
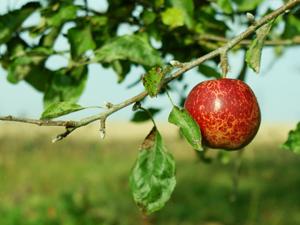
[[93, 37], [29, 36]]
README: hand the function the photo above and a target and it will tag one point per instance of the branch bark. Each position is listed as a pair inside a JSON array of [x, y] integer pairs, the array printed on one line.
[[112, 108]]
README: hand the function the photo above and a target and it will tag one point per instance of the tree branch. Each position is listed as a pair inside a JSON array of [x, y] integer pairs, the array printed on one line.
[[73, 125], [276, 42], [69, 123], [112, 108], [235, 41]]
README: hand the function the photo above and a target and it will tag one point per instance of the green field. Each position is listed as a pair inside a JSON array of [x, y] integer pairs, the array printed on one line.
[[85, 181]]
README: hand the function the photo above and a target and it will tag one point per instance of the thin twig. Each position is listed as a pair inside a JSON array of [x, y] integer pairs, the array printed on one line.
[[73, 125], [102, 128]]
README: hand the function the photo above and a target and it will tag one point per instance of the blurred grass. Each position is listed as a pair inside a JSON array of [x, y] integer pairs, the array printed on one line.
[[85, 181]]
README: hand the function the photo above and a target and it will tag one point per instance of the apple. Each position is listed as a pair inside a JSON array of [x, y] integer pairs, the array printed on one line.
[[226, 111]]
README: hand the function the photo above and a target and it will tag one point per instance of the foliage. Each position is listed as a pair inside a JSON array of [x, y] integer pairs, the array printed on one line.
[[94, 37], [293, 141], [183, 22]]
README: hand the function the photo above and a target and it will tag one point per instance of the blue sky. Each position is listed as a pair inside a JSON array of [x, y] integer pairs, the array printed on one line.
[[276, 87]]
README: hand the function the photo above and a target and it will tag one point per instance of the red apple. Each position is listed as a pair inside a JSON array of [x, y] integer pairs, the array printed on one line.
[[227, 112]]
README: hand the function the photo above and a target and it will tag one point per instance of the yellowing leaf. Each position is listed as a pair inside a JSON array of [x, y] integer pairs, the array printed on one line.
[[173, 17], [225, 5], [253, 55], [247, 5], [187, 8]]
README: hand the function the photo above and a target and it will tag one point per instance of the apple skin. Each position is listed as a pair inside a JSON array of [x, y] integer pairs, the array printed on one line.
[[226, 111]]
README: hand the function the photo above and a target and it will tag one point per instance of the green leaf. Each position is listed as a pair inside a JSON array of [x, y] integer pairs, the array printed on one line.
[[28, 65], [159, 3], [38, 77], [12, 21], [152, 179], [207, 23], [49, 39], [41, 51], [187, 8], [54, 17], [35, 75], [292, 26], [253, 55], [58, 109], [122, 68], [148, 17], [208, 71], [246, 5], [188, 127], [81, 40], [98, 21], [24, 65], [65, 85], [152, 81], [19, 69], [225, 5], [173, 17], [135, 48], [141, 116], [293, 141], [16, 47], [21, 66], [64, 13]]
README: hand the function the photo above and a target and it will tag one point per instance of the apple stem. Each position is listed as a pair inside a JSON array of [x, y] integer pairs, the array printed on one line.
[[169, 97], [149, 114]]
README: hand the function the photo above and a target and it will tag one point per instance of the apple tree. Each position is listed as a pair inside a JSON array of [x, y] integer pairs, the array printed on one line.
[[190, 34]]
